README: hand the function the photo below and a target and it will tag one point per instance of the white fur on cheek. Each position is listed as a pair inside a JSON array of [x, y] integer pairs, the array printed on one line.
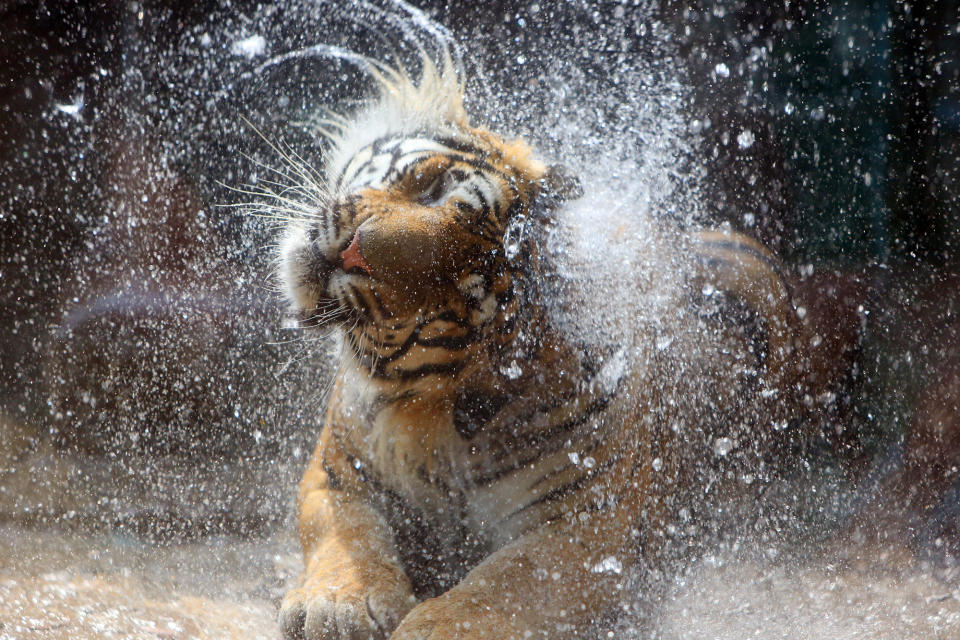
[[294, 261], [338, 284]]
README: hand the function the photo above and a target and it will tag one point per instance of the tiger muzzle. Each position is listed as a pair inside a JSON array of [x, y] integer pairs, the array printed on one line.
[[402, 249]]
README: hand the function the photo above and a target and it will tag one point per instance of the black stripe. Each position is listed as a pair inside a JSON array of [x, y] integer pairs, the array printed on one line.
[[473, 163], [453, 343], [447, 368], [505, 296], [400, 351], [564, 490], [540, 437], [335, 218], [583, 452], [374, 151], [516, 206], [476, 304], [461, 145], [449, 315], [364, 308], [473, 409], [484, 203], [592, 507], [383, 401], [412, 165], [333, 480], [465, 219], [381, 310], [414, 338], [553, 403], [541, 444], [508, 326], [477, 163]]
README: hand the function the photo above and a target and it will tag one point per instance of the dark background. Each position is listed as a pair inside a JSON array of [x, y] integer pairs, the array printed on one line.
[[854, 106]]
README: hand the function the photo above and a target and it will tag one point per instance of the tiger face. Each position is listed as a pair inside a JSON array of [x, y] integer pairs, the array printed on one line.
[[407, 253]]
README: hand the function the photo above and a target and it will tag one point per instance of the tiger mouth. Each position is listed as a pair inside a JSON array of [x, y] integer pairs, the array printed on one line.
[[319, 307], [322, 306]]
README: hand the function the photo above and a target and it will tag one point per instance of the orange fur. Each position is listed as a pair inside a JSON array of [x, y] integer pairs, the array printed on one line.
[[447, 498]]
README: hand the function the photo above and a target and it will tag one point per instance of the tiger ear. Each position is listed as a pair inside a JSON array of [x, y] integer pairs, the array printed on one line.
[[557, 185]]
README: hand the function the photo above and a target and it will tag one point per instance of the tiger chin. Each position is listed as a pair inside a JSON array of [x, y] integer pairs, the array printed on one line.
[[480, 474]]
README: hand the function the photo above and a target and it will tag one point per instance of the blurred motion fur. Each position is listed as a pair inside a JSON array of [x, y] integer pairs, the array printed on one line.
[[481, 473]]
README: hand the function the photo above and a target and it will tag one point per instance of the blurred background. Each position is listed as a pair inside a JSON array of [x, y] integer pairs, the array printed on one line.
[[144, 359]]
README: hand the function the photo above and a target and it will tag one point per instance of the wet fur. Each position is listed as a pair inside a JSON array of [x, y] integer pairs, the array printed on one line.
[[447, 498]]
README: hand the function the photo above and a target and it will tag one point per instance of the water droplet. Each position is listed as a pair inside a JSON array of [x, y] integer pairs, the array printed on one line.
[[513, 237], [513, 371], [610, 564], [723, 446], [722, 70], [657, 464], [71, 108], [663, 342], [249, 47], [745, 140]]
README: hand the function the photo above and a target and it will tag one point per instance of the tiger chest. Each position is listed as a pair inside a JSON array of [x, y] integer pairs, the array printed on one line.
[[461, 487]]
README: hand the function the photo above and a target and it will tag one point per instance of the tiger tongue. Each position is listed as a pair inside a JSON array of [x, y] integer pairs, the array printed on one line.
[[352, 257]]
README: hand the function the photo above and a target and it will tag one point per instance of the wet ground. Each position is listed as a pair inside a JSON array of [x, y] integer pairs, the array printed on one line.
[[888, 597], [56, 583], [92, 547], [94, 550]]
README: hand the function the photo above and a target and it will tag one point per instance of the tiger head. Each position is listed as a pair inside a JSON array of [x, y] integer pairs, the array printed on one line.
[[410, 243]]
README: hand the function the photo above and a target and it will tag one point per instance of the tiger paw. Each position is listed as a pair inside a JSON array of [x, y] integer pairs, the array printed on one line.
[[338, 607]]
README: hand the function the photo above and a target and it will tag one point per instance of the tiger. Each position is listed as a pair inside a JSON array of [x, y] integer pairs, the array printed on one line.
[[481, 472]]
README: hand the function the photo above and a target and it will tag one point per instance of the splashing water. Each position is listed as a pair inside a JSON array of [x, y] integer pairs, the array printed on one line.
[[600, 93]]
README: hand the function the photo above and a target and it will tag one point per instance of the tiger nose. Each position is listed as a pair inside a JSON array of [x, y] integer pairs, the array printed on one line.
[[352, 258], [403, 248]]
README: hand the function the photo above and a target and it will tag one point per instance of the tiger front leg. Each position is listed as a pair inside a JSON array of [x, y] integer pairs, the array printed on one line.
[[555, 582], [353, 586]]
